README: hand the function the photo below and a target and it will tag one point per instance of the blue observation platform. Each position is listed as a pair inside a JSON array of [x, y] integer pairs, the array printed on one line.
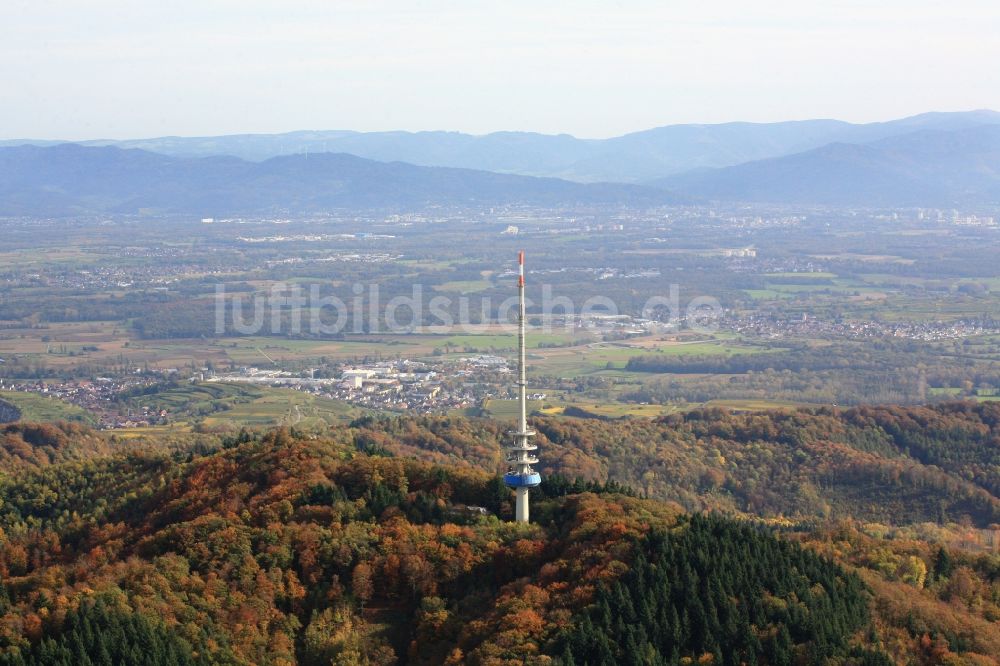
[[516, 480]]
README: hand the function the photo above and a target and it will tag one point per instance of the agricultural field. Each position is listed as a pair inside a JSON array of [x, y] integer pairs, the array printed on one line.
[[464, 286], [599, 357], [507, 340], [68, 344], [218, 405]]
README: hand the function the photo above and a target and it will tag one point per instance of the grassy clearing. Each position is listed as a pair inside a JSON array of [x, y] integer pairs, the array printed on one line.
[[766, 294], [464, 286], [221, 405], [944, 391], [285, 407], [872, 258], [507, 410], [431, 264], [755, 405], [47, 256], [614, 410], [617, 410], [806, 276], [37, 407]]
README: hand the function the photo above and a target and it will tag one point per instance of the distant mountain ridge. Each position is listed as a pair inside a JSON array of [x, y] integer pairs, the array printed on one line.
[[635, 157], [928, 167], [70, 179], [935, 160]]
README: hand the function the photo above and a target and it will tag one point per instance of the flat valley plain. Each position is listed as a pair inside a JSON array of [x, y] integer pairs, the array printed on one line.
[[815, 306]]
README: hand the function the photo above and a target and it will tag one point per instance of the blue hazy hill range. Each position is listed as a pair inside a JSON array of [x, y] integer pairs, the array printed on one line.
[[634, 157], [923, 168], [69, 179]]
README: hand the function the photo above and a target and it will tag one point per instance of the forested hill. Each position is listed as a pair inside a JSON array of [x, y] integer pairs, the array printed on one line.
[[35, 445], [284, 550], [894, 465], [287, 548]]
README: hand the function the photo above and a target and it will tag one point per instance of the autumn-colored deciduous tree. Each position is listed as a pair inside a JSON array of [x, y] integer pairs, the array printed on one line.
[[362, 583]]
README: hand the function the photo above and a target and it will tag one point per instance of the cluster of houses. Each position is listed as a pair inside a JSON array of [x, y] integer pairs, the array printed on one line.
[[398, 384], [764, 325], [99, 396]]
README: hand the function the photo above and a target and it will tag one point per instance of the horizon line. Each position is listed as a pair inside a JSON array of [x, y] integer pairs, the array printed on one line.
[[495, 132]]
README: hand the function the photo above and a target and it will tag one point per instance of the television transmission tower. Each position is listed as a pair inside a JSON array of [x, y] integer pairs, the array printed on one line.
[[520, 454]]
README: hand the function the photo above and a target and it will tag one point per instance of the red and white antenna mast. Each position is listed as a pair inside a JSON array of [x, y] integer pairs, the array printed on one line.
[[520, 454]]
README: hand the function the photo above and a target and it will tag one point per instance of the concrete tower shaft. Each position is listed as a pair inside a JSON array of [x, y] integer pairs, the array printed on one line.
[[520, 453]]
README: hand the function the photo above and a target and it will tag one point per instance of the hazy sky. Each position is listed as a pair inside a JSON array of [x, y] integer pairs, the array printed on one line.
[[80, 69]]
